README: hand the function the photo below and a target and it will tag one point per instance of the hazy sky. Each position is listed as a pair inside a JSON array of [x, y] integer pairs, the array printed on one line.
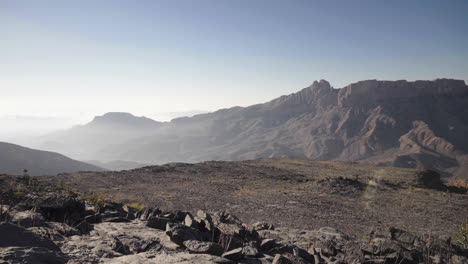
[[77, 59]]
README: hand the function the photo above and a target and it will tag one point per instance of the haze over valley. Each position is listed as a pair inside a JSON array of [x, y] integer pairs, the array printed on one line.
[[397, 123]]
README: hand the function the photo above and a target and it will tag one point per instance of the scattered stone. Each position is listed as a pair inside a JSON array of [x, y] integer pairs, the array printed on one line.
[[231, 229], [34, 255], [267, 244], [137, 245], [292, 258], [201, 247], [131, 212], [84, 227], [202, 215], [146, 213], [235, 254], [118, 246], [16, 236], [190, 221], [158, 222], [279, 259], [28, 219], [57, 207], [263, 226], [176, 216], [459, 260], [250, 252], [180, 233], [48, 233], [63, 229], [402, 236], [263, 260], [93, 218]]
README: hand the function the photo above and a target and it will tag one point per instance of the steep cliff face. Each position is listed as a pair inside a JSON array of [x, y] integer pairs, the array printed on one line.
[[373, 91], [417, 124], [409, 124]]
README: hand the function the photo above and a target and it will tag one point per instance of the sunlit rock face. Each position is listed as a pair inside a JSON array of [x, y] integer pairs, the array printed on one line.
[[373, 91]]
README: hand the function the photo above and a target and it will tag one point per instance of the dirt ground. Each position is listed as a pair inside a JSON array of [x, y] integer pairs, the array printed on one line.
[[305, 194]]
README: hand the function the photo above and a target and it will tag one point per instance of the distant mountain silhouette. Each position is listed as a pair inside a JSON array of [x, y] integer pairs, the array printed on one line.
[[14, 159], [123, 121], [420, 124], [103, 131]]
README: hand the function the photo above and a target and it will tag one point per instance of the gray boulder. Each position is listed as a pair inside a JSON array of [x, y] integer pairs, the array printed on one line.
[[279, 259], [58, 207], [288, 259], [28, 219], [147, 212], [55, 231], [235, 254], [191, 222], [267, 244], [180, 233], [251, 252], [63, 229], [32, 255], [158, 222], [263, 260], [16, 236], [200, 247]]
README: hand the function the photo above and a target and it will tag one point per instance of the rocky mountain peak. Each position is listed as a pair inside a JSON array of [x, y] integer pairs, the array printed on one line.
[[122, 119], [322, 84], [114, 117]]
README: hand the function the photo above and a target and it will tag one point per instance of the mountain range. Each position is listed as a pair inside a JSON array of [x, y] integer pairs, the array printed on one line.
[[419, 124], [15, 159]]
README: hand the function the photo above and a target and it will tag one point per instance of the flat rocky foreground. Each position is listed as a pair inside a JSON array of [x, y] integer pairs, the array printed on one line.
[[53, 227], [302, 194]]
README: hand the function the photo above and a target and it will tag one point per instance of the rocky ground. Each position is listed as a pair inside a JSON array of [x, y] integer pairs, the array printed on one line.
[[301, 194], [45, 227], [311, 212]]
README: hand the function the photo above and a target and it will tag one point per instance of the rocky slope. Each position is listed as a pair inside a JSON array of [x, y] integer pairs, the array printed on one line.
[[14, 159], [419, 124], [289, 192], [50, 225]]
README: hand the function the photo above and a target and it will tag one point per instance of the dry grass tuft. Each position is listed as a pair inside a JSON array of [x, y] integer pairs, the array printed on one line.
[[136, 206]]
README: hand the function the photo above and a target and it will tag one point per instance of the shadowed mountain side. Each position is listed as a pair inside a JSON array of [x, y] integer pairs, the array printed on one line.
[[14, 159]]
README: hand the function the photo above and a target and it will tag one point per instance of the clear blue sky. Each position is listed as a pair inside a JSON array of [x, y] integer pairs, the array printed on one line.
[[83, 58]]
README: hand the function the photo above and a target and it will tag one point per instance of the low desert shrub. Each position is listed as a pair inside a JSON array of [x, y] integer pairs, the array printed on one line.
[[461, 235], [95, 199], [136, 206]]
